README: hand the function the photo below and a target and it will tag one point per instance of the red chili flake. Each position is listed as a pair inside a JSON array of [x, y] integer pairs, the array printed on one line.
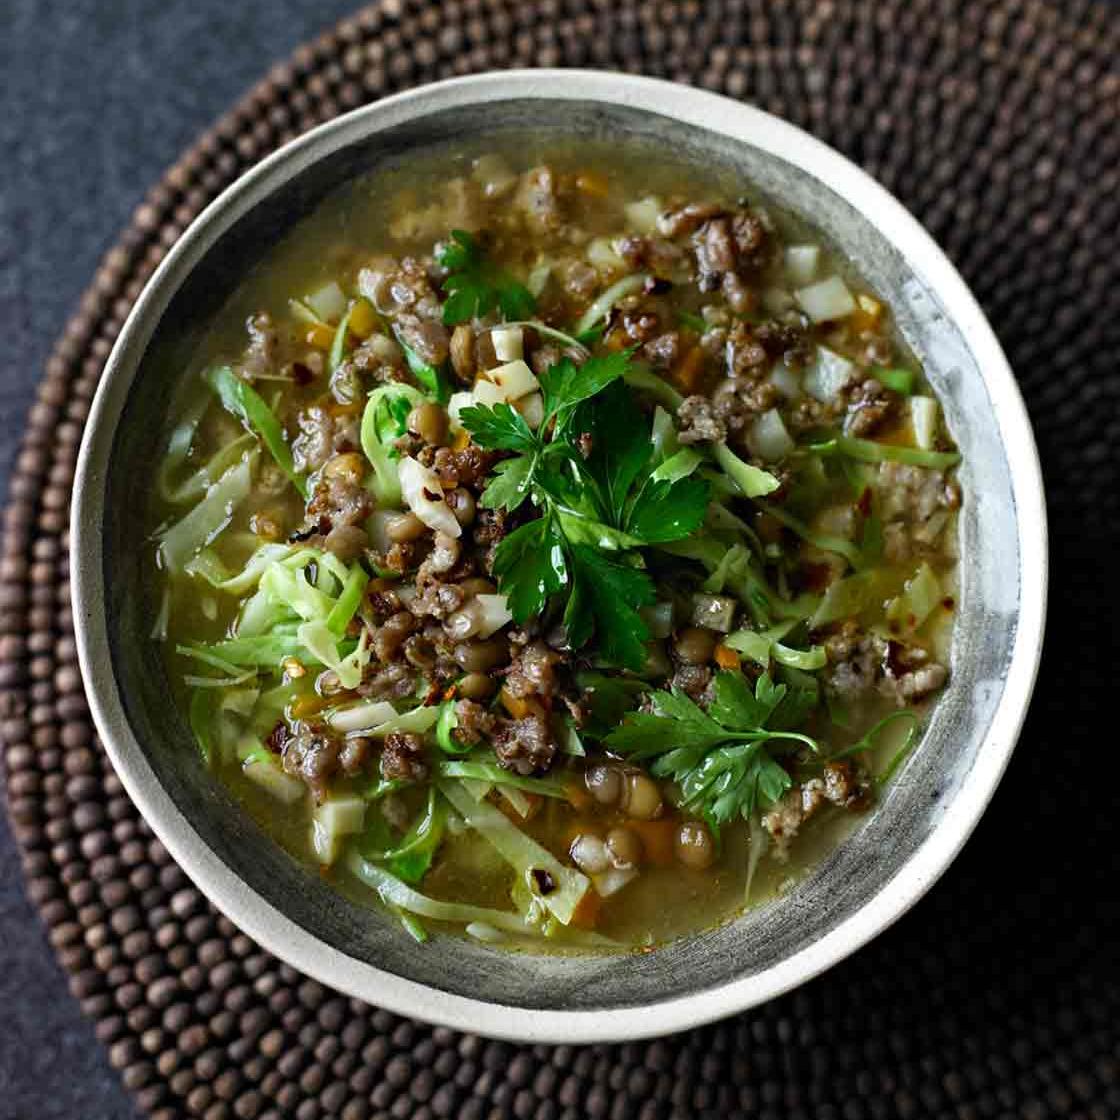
[[656, 286], [864, 503], [544, 880], [430, 495], [948, 602], [301, 374]]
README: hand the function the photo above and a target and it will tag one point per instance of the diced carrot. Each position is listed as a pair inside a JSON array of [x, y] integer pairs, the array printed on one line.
[[363, 318], [586, 914], [460, 440], [577, 795], [657, 840], [867, 314], [726, 657], [592, 183], [519, 706], [320, 336], [689, 370], [304, 706]]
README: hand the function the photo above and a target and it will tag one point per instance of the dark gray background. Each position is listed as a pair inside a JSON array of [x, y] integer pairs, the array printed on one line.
[[99, 97]]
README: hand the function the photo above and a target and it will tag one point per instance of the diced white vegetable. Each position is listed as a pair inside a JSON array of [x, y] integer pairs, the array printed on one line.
[[274, 781], [495, 614], [802, 262], [332, 822], [507, 343], [828, 375], [600, 253], [329, 302], [826, 300], [713, 611], [483, 931], [612, 881], [532, 409], [456, 404], [538, 277], [923, 417], [776, 300], [513, 380], [487, 393], [767, 437], [785, 381], [423, 494], [642, 215], [356, 717]]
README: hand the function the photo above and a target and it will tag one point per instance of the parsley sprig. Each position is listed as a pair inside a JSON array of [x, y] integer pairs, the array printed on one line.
[[588, 469], [721, 758], [475, 285]]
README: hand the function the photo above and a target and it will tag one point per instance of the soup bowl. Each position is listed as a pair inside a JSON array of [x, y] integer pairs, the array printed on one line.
[[867, 881]]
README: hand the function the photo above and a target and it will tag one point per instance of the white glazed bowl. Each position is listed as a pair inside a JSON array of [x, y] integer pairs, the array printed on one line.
[[871, 879]]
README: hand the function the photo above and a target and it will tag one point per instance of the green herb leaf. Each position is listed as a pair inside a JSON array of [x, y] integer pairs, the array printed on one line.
[[432, 380], [565, 384], [668, 511], [498, 428], [510, 484], [722, 759], [475, 286], [530, 566], [606, 595]]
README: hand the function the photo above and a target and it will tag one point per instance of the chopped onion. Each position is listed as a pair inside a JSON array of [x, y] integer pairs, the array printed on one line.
[[827, 377], [599, 309], [495, 613], [612, 881], [538, 278], [767, 437], [826, 300], [715, 612], [423, 494], [266, 774], [532, 409], [417, 721], [456, 404], [507, 343], [776, 300], [357, 717], [801, 263], [601, 254], [328, 303], [785, 381], [642, 215], [923, 418], [511, 381]]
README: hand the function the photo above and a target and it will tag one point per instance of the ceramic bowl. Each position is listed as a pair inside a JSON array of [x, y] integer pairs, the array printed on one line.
[[867, 882]]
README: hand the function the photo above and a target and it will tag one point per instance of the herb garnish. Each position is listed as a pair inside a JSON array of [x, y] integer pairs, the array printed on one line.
[[721, 758], [476, 285], [589, 469]]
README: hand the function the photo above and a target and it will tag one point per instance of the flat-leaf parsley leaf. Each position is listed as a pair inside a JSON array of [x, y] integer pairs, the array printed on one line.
[[475, 285]]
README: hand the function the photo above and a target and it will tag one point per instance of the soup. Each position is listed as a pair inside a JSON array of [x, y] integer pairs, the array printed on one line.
[[555, 548]]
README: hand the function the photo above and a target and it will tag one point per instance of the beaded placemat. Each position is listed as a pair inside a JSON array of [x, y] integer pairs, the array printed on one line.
[[998, 124]]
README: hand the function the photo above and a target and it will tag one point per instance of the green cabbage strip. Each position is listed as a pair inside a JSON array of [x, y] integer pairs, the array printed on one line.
[[394, 892], [868, 451], [209, 567], [412, 857], [523, 853], [762, 645], [201, 526], [243, 401], [847, 597], [382, 454], [679, 465], [178, 448], [920, 597], [481, 771], [321, 643], [263, 651], [433, 380], [348, 601], [603, 304], [751, 482], [338, 343], [200, 715], [823, 541], [657, 388]]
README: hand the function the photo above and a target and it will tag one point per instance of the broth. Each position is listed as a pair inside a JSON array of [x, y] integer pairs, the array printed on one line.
[[731, 559]]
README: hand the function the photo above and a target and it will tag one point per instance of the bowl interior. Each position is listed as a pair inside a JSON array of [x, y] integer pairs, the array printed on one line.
[[840, 886]]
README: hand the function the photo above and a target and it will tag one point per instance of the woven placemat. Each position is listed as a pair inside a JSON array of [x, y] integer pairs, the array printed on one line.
[[999, 995]]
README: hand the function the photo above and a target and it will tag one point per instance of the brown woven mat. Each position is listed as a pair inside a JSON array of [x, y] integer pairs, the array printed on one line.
[[997, 123]]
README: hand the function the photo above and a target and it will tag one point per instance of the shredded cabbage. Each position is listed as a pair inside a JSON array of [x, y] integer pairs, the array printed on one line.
[[376, 442], [202, 525]]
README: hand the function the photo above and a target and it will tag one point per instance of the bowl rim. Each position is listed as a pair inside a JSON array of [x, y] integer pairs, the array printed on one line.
[[299, 947]]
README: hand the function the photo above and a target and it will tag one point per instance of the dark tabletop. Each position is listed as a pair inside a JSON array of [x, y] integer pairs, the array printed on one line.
[[98, 99]]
